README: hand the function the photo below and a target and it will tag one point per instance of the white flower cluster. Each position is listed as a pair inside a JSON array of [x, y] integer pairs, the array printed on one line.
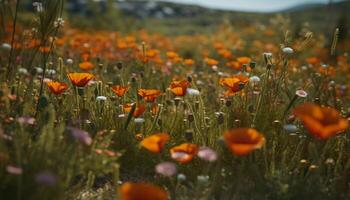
[[59, 22], [38, 6]]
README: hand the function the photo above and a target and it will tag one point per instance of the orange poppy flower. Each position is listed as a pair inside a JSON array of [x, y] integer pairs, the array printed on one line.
[[189, 62], [86, 65], [211, 61], [225, 53], [312, 60], [321, 122], [141, 191], [149, 95], [171, 55], [44, 49], [156, 142], [244, 60], [234, 83], [179, 88], [85, 56], [234, 65], [140, 108], [152, 53], [184, 153], [120, 90], [80, 79], [242, 141], [57, 87]]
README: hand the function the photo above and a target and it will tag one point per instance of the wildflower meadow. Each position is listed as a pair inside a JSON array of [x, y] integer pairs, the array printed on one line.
[[105, 105]]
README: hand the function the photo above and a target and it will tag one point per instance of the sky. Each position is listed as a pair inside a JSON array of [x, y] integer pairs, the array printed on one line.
[[251, 5]]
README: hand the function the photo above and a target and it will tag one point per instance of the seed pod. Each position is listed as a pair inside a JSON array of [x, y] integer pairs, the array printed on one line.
[[190, 117], [251, 108], [317, 100], [207, 120], [228, 102], [120, 65], [252, 65], [177, 101], [189, 135], [189, 78], [237, 123], [159, 122], [220, 118], [196, 105], [142, 74], [277, 124]]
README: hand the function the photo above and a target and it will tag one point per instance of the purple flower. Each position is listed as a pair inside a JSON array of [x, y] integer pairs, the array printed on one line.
[[14, 170], [301, 93], [207, 154], [46, 178], [166, 169], [26, 120], [80, 135]]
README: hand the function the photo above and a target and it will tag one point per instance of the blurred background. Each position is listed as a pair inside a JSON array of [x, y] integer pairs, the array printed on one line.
[[205, 15]]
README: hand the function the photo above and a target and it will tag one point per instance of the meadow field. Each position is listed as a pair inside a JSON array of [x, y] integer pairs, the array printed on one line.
[[223, 106]]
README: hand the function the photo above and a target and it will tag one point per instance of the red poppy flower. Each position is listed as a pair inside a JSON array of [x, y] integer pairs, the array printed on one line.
[[242, 141], [320, 121]]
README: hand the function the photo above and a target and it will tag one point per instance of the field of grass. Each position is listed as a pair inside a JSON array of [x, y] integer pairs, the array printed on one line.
[[256, 110]]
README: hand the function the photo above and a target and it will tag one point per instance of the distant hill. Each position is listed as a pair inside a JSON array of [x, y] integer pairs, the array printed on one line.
[[191, 18]]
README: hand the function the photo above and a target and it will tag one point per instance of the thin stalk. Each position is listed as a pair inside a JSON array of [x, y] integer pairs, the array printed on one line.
[[12, 41]]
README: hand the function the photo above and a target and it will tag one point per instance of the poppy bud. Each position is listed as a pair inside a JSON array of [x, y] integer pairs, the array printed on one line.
[[159, 122], [252, 65], [220, 117], [237, 123], [222, 101], [207, 120], [177, 101], [189, 135], [228, 102], [133, 79], [189, 78], [317, 100], [245, 66], [120, 65], [190, 117], [142, 74], [196, 105], [276, 124], [251, 108]]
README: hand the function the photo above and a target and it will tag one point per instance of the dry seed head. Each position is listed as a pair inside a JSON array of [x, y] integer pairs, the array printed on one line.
[[237, 122], [313, 167], [303, 161], [329, 161], [190, 117], [277, 124], [228, 102], [177, 101]]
